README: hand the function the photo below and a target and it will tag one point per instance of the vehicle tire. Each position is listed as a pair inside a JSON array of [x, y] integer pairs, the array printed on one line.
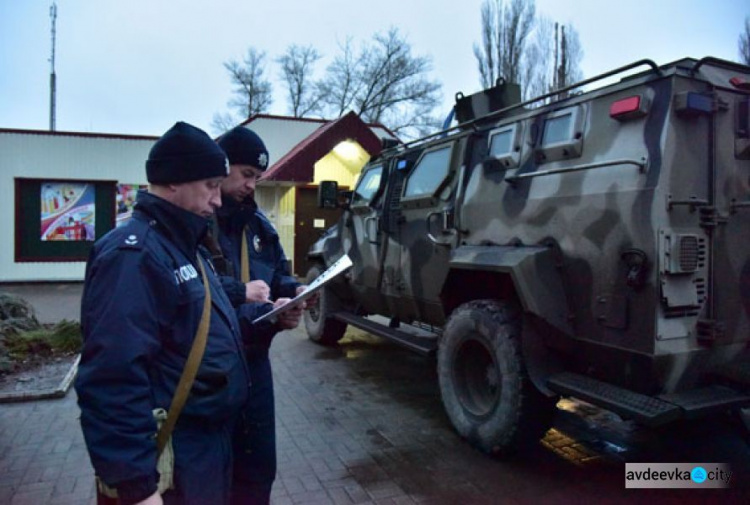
[[320, 327], [483, 382]]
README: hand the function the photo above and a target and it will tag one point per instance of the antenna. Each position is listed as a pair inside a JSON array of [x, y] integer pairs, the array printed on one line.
[[52, 77]]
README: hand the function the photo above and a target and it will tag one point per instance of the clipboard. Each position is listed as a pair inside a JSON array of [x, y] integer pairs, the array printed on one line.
[[341, 265]]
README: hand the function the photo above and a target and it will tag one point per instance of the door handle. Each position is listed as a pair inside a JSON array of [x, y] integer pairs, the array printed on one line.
[[366, 222], [445, 231]]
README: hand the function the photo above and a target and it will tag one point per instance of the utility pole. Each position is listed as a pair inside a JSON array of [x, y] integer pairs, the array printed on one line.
[[52, 77]]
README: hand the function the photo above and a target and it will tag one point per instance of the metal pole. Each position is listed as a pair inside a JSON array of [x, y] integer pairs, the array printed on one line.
[[52, 77]]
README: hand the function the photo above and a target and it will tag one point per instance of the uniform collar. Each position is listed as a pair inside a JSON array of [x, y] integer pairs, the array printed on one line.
[[234, 215], [186, 229]]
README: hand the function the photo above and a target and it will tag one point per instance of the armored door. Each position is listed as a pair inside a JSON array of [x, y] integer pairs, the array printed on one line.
[[362, 236], [728, 219], [417, 258]]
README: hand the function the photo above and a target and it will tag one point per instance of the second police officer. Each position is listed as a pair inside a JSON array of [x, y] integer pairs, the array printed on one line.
[[255, 259]]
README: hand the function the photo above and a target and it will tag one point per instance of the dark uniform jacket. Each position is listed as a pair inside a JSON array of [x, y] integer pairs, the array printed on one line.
[[255, 439], [267, 263], [142, 303]]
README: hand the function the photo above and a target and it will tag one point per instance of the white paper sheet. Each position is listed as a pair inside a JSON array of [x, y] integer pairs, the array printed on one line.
[[339, 267]]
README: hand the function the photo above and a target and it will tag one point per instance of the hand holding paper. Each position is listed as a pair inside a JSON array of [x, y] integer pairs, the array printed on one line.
[[339, 267]]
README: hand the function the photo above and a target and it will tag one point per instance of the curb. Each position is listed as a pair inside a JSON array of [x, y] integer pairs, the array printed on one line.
[[45, 394]]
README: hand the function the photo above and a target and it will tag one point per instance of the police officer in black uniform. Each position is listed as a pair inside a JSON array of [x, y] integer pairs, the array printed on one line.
[[261, 272], [142, 302]]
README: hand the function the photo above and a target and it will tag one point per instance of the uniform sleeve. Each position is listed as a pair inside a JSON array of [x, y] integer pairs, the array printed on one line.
[[125, 303], [284, 284], [256, 335], [234, 289]]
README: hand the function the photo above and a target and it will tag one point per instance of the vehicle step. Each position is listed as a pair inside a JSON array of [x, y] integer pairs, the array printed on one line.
[[645, 409], [703, 401], [413, 329], [423, 345], [737, 372]]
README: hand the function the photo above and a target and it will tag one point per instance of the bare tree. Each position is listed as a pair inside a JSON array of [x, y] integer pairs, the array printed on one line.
[[297, 66], [341, 83], [223, 122], [252, 92], [539, 76], [744, 43], [505, 28], [519, 46], [383, 82], [568, 55]]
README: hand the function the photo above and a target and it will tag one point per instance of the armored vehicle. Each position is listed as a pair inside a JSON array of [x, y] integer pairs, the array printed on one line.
[[592, 244]]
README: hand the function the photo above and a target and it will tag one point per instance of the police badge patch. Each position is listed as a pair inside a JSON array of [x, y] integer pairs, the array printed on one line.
[[262, 160], [256, 244]]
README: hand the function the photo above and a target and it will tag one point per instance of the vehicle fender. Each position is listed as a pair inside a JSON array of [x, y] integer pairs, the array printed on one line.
[[533, 271], [328, 246]]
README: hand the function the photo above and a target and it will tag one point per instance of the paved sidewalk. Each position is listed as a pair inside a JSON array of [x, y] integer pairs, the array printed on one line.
[[362, 423], [43, 459]]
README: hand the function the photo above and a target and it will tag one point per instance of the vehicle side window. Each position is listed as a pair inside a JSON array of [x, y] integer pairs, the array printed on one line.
[[557, 129], [562, 135], [505, 145], [500, 142], [428, 173], [367, 186]]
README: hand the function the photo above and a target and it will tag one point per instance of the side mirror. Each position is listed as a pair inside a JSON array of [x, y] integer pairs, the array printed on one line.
[[345, 198], [328, 193]]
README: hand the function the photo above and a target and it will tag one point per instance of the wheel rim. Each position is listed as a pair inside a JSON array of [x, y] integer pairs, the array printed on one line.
[[477, 377], [314, 310]]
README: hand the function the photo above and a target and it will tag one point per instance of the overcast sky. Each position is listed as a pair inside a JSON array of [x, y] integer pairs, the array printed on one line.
[[137, 66]]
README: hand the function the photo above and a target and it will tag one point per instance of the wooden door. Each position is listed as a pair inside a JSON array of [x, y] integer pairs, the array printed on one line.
[[309, 223]]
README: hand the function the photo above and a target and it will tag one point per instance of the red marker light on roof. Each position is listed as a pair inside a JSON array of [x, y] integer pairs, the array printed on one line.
[[740, 83], [629, 108]]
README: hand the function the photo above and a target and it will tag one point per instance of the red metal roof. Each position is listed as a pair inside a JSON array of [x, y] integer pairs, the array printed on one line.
[[298, 165]]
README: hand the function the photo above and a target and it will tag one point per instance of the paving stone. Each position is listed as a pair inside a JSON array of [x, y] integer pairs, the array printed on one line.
[[361, 423]]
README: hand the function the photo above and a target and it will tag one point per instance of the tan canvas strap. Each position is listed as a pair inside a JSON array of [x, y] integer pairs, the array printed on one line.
[[191, 367], [222, 266], [244, 258]]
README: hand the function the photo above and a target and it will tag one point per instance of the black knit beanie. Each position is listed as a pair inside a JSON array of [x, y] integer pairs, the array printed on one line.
[[183, 154], [244, 147]]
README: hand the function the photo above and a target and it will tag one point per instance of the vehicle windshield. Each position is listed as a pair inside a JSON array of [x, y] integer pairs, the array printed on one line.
[[368, 185]]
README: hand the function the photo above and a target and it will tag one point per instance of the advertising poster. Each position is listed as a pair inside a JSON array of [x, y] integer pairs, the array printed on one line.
[[67, 211], [125, 201]]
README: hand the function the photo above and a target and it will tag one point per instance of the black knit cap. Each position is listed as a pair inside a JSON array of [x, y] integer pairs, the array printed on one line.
[[183, 154], [244, 147]]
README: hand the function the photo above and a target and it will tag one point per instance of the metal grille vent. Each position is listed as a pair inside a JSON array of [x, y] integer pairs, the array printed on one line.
[[685, 253], [689, 253]]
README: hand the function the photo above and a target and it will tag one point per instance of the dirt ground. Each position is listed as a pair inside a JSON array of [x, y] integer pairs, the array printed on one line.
[[37, 375], [52, 303]]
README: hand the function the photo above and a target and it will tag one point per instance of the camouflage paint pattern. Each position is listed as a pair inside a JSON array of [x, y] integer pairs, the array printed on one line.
[[666, 185]]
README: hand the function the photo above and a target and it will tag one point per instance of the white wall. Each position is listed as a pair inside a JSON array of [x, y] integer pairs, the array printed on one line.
[[280, 134], [84, 156], [41, 155]]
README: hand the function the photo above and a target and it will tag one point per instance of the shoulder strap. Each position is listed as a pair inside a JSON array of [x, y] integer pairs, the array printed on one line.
[[191, 367], [244, 258], [222, 264]]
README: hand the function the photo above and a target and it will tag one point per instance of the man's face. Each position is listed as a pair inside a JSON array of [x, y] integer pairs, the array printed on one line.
[[199, 197], [240, 183]]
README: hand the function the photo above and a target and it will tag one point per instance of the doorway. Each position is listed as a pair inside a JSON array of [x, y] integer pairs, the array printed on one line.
[[309, 224]]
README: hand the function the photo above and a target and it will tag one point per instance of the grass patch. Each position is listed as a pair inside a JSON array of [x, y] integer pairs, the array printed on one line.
[[61, 338]]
